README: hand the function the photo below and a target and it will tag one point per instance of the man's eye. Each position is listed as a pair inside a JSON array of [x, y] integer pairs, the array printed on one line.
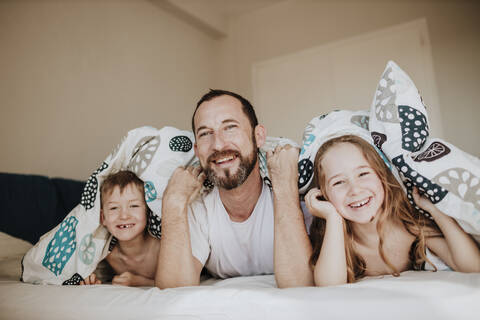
[[204, 133], [231, 126]]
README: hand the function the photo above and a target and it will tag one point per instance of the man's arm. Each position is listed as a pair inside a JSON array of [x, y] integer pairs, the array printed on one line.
[[176, 266], [292, 248]]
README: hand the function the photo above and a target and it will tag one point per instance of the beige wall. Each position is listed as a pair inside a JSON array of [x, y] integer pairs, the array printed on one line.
[[300, 24], [76, 75]]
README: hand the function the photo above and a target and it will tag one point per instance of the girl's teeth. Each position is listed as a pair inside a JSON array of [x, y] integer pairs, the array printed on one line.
[[360, 204]]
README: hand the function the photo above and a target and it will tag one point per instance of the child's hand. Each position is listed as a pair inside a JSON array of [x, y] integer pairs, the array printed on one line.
[[90, 280], [423, 202], [124, 279], [319, 208]]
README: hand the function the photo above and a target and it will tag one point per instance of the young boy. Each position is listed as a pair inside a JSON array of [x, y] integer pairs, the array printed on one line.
[[124, 213]]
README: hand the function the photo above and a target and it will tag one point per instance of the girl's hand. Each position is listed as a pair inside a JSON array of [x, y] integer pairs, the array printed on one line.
[[90, 280], [319, 207], [423, 202]]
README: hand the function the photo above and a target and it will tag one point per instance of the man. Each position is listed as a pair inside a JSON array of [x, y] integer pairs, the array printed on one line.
[[231, 230]]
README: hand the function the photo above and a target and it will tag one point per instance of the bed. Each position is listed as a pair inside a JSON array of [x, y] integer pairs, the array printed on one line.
[[35, 201]]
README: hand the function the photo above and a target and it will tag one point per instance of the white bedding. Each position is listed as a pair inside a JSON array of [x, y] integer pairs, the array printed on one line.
[[413, 295]]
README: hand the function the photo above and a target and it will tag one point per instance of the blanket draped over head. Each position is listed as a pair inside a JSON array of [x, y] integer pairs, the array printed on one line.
[[72, 250], [397, 125]]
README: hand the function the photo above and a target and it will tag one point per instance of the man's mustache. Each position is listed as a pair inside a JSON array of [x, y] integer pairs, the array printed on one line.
[[222, 154]]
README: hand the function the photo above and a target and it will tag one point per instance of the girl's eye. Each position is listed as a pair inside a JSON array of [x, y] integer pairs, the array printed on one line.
[[337, 183], [134, 206], [364, 173]]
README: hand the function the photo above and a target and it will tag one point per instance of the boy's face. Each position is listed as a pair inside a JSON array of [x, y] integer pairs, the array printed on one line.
[[124, 214]]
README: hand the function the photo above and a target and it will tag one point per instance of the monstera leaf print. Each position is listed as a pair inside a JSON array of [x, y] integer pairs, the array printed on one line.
[[414, 128], [435, 151], [462, 183], [378, 139], [305, 170], [143, 154], [385, 108]]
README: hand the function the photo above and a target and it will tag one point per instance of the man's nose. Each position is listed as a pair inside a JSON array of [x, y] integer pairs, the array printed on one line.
[[219, 141]]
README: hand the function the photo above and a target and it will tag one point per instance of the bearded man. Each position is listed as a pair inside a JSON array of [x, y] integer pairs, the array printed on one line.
[[242, 227]]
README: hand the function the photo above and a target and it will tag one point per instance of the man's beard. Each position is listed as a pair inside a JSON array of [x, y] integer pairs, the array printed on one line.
[[229, 181]]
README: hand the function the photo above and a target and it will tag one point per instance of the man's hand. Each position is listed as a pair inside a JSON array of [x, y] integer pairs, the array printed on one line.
[[282, 164], [184, 185], [90, 280]]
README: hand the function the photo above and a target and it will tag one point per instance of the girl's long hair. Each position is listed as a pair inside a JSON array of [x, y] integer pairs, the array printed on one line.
[[395, 208]]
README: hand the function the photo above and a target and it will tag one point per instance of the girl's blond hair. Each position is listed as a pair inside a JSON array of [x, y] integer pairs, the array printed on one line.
[[395, 207]]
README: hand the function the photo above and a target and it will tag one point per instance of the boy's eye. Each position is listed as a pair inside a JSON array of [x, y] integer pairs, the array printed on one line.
[[113, 208]]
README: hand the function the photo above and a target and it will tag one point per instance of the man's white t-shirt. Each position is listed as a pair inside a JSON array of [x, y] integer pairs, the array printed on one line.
[[228, 248]]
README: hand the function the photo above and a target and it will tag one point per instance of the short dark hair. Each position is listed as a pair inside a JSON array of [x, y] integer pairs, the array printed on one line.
[[120, 179], [213, 93]]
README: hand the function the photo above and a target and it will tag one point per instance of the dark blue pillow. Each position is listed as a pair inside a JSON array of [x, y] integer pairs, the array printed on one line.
[[31, 205]]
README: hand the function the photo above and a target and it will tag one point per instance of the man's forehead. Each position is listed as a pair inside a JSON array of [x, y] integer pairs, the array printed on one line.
[[220, 108]]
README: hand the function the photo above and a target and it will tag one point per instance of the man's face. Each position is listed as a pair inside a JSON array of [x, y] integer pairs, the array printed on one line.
[[225, 142]]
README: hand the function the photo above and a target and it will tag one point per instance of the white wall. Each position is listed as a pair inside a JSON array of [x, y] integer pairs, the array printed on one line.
[[297, 25], [75, 76]]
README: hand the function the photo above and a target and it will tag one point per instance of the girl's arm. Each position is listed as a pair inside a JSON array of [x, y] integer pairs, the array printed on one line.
[[457, 248], [331, 266]]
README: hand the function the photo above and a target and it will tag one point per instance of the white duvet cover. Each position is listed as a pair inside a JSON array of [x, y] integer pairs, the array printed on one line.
[[413, 295]]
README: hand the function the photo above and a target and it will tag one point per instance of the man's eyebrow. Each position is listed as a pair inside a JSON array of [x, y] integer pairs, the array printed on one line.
[[223, 122]]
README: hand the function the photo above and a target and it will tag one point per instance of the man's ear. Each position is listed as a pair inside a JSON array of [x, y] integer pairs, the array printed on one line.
[[195, 149], [260, 135]]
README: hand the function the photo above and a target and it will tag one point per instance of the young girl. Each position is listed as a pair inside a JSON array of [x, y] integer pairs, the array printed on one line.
[[364, 224]]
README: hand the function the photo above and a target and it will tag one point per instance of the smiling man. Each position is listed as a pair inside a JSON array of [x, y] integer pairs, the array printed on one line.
[[242, 227]]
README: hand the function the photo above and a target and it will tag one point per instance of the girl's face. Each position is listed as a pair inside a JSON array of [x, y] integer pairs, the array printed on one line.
[[351, 184]]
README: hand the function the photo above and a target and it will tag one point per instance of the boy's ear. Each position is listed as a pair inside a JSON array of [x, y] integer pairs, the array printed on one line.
[[102, 218]]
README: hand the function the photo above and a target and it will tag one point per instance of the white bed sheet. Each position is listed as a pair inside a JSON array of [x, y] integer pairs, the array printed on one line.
[[413, 295]]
